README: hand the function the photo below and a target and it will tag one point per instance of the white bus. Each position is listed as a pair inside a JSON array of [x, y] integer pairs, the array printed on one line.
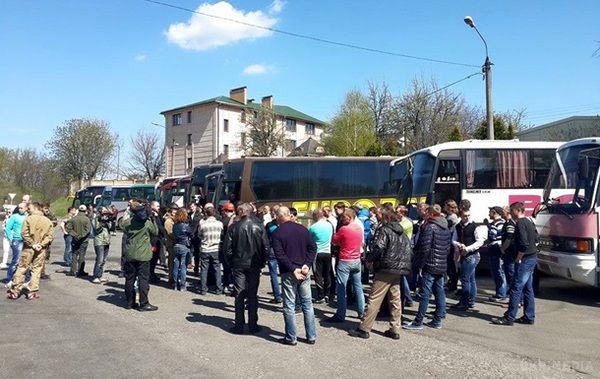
[[487, 173], [568, 221]]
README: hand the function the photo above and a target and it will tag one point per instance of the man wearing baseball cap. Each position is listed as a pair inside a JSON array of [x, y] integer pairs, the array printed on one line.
[[79, 227], [494, 241]]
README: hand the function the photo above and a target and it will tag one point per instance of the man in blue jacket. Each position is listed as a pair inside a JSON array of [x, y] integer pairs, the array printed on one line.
[[295, 251], [13, 234]]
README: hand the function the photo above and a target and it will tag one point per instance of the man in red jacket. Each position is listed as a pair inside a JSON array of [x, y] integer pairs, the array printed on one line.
[[350, 239]]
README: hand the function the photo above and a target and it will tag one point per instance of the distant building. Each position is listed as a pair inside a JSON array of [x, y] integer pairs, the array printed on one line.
[[213, 130], [563, 130]]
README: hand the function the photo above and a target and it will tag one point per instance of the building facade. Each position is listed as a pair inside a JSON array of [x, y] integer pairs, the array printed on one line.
[[565, 130], [214, 130]]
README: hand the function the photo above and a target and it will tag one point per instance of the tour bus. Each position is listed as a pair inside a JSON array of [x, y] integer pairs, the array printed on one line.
[[487, 173], [568, 220], [176, 190], [304, 183], [198, 177], [89, 195]]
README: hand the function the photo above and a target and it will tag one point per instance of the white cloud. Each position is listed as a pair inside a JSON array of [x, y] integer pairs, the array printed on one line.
[[204, 33], [256, 69], [140, 57], [276, 6]]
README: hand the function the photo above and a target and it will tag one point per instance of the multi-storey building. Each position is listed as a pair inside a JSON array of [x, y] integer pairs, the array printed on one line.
[[214, 130]]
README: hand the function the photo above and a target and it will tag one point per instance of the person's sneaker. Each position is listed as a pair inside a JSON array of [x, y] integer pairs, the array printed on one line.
[[26, 285], [97, 281], [319, 301], [333, 320], [3, 266], [412, 326], [434, 324], [148, 308], [285, 341], [502, 321], [45, 277], [359, 333], [459, 307], [524, 320], [408, 304], [275, 301], [104, 280], [388, 333], [132, 306]]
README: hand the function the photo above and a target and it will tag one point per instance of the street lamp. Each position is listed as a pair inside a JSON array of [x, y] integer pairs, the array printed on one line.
[[487, 72]]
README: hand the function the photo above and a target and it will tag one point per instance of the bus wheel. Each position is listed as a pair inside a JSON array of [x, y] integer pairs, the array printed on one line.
[[120, 223]]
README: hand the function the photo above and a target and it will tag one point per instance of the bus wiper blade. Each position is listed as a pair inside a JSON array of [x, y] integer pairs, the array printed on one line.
[[559, 209]]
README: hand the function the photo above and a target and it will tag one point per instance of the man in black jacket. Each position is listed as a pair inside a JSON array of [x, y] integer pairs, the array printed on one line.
[[246, 251], [431, 252]]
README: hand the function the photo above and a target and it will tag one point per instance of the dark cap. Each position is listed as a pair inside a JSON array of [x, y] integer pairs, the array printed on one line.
[[498, 210]]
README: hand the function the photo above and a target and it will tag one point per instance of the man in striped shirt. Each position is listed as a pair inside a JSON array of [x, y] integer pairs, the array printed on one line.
[[209, 233]]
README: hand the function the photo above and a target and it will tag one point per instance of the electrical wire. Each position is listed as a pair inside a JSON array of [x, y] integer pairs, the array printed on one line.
[[312, 38], [453, 83]]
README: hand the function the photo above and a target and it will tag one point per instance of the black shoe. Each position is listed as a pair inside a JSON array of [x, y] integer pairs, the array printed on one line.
[[525, 321], [311, 342], [132, 306], [392, 335], [69, 273], [359, 333], [408, 304], [148, 308], [333, 320], [202, 293], [45, 277], [502, 321], [298, 309], [82, 274], [285, 341], [255, 329], [459, 307], [236, 330]]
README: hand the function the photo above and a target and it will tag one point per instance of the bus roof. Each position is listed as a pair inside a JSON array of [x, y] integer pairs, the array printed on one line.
[[314, 159], [483, 144], [581, 141]]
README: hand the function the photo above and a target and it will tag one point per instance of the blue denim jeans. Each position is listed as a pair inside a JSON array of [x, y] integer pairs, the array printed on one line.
[[16, 246], [208, 260], [292, 288], [497, 271], [431, 283], [101, 254], [509, 269], [523, 289], [274, 278], [467, 278], [406, 297], [346, 270], [67, 256], [180, 266]]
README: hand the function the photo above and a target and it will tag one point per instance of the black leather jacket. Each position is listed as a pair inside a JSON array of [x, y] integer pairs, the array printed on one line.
[[182, 233], [246, 244], [390, 250], [433, 247]]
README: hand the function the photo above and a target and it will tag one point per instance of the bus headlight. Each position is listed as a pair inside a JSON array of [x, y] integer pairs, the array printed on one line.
[[578, 245]]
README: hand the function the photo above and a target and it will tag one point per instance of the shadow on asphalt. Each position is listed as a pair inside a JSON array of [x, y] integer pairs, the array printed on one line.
[[114, 297], [226, 324]]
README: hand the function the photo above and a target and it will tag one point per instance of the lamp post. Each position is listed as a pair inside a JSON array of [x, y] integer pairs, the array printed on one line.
[[173, 144], [487, 72]]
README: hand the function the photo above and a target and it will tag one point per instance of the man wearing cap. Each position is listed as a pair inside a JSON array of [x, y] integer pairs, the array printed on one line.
[[494, 242], [79, 227]]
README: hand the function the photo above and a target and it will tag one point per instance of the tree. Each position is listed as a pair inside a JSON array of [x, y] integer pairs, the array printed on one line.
[[147, 158], [82, 148], [351, 132], [455, 134], [505, 125], [381, 104], [264, 136]]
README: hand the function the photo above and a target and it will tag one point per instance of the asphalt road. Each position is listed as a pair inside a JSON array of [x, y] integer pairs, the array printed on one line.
[[79, 329]]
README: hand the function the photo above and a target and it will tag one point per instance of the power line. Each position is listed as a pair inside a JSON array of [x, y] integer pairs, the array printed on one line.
[[312, 38], [562, 113], [574, 108], [453, 83]]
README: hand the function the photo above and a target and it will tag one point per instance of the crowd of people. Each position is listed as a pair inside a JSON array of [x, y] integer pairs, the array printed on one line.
[[410, 260]]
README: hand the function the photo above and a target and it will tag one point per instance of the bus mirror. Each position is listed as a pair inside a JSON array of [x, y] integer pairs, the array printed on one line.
[[583, 168], [97, 199]]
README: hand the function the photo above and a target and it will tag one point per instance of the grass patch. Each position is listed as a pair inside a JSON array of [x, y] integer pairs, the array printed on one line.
[[60, 206]]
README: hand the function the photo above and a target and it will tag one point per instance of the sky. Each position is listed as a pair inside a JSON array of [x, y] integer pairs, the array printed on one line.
[[125, 61]]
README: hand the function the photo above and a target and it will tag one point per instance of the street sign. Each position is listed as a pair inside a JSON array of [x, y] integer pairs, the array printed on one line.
[[12, 196]]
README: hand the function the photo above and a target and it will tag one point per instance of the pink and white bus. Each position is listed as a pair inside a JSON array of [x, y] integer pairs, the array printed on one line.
[[568, 220]]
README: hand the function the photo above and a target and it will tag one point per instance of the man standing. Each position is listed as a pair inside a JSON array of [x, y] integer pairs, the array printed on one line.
[[525, 241], [494, 242], [349, 239], [209, 234], [156, 242], [67, 256], [228, 215], [37, 236], [168, 225], [101, 228], [140, 229], [322, 232], [13, 234], [52, 217], [246, 251], [431, 253], [195, 215], [79, 228], [295, 251], [272, 262]]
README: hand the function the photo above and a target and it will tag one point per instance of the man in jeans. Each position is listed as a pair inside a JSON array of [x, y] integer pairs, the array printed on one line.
[[13, 234], [431, 253], [79, 228], [321, 232], [295, 251], [272, 262], [209, 233], [67, 256], [494, 242], [525, 241], [349, 238]]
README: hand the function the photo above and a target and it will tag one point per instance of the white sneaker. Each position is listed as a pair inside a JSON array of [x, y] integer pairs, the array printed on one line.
[[103, 280], [25, 285], [96, 281], [3, 265]]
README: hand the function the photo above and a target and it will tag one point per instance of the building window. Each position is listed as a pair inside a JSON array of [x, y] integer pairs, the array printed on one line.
[[177, 119], [189, 117], [189, 163], [189, 140], [243, 116], [290, 144], [226, 125], [290, 125], [225, 150], [309, 129], [243, 138]]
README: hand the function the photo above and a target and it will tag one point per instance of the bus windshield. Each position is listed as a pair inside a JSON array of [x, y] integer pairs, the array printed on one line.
[[572, 180], [422, 174]]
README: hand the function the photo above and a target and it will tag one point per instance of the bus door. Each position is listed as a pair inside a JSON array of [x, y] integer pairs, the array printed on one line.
[[447, 178], [213, 187]]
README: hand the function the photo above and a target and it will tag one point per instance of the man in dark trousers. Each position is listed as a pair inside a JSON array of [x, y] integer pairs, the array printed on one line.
[[79, 228], [246, 251]]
